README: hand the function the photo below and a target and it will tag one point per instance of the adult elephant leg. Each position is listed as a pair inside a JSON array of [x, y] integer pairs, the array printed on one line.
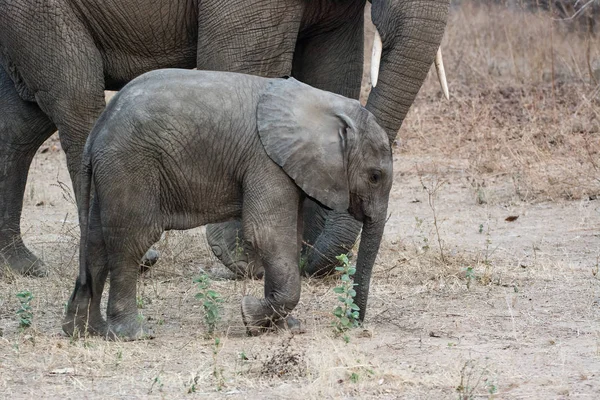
[[23, 128], [332, 60]]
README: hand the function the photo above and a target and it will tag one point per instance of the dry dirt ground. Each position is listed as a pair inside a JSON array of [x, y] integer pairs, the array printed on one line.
[[464, 303]]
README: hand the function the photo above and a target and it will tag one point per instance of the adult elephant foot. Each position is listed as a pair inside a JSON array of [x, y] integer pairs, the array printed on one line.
[[129, 329], [289, 324], [253, 315], [20, 260], [228, 245]]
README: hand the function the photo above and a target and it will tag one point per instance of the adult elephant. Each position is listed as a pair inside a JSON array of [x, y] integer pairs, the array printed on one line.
[[59, 56]]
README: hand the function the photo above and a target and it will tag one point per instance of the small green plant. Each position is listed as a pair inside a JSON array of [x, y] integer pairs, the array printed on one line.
[[492, 388], [193, 384], [242, 363], [303, 261], [139, 302], [424, 238], [361, 372], [470, 275], [210, 302], [471, 376], [25, 312], [156, 382], [418, 222], [486, 278], [347, 313]]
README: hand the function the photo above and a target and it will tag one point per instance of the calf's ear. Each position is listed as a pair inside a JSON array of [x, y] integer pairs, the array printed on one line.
[[308, 132]]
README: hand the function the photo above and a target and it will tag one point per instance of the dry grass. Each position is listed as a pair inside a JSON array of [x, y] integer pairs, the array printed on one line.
[[525, 108], [508, 310]]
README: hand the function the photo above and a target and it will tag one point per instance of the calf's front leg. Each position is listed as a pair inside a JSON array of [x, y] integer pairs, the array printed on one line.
[[272, 218]]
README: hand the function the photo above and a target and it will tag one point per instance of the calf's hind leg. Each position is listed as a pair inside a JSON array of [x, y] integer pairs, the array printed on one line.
[[83, 310], [128, 234]]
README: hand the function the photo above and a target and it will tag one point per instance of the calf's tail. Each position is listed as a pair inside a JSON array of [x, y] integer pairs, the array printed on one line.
[[84, 214]]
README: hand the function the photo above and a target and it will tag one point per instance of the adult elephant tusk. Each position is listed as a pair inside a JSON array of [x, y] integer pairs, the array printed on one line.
[[441, 73], [376, 58]]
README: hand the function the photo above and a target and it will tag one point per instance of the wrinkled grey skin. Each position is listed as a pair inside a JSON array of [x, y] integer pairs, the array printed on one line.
[[177, 149], [56, 58]]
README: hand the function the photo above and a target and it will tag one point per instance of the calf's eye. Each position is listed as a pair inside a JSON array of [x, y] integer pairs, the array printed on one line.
[[375, 177]]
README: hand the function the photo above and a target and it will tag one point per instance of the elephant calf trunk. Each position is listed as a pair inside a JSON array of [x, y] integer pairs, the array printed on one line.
[[367, 253]]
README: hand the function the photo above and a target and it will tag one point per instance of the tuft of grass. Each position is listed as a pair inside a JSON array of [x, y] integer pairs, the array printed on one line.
[[471, 379]]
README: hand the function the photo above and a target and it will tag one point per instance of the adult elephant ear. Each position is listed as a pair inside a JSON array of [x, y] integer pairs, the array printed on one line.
[[308, 132]]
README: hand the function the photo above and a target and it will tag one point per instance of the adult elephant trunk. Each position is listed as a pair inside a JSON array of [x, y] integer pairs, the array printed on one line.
[[411, 32], [321, 250], [367, 252]]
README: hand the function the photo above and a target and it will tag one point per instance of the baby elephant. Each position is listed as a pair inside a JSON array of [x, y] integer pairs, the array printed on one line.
[[177, 149]]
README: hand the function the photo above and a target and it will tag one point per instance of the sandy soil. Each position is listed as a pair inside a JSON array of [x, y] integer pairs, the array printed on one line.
[[481, 307]]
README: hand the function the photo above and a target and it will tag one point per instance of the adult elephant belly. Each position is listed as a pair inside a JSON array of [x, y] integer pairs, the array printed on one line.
[[133, 41], [121, 67]]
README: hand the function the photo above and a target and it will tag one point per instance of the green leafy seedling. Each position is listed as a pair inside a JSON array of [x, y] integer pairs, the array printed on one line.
[[25, 312], [347, 311], [210, 302]]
